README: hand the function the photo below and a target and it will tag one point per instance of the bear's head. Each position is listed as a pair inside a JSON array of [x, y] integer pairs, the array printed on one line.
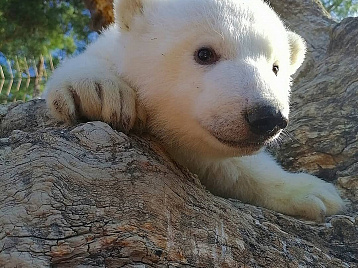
[[213, 75]]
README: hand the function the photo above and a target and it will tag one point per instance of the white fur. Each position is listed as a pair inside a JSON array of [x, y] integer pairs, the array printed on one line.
[[190, 107]]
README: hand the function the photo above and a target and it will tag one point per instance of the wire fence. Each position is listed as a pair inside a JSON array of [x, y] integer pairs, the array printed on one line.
[[24, 79]]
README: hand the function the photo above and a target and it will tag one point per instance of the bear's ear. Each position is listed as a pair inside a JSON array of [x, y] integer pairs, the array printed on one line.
[[125, 11], [297, 51]]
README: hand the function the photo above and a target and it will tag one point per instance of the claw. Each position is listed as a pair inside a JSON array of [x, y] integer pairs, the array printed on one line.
[[77, 103], [99, 91], [126, 123], [115, 122]]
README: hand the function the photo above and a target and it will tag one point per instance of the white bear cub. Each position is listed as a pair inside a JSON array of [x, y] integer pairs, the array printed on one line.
[[211, 80]]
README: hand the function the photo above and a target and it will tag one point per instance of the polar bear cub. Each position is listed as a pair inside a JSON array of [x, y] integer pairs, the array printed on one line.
[[211, 80]]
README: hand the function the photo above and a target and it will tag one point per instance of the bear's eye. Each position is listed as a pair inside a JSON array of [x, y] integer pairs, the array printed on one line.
[[206, 56], [275, 69]]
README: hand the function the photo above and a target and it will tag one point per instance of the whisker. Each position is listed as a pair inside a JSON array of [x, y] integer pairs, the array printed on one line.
[[284, 137]]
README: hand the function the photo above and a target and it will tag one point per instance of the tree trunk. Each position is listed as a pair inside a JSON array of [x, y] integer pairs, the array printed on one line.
[[324, 119], [101, 13], [89, 196]]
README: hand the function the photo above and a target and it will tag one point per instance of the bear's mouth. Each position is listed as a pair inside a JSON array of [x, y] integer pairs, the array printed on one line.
[[243, 144], [252, 143]]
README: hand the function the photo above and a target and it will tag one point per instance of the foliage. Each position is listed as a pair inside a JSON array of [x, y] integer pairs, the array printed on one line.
[[33, 27], [340, 9]]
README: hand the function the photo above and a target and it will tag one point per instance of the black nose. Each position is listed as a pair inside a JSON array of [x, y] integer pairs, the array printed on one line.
[[265, 120]]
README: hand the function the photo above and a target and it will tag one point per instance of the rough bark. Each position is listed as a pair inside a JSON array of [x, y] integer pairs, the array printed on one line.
[[323, 131], [89, 196]]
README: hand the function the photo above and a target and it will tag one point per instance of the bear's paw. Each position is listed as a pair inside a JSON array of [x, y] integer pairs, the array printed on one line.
[[314, 199], [109, 99]]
